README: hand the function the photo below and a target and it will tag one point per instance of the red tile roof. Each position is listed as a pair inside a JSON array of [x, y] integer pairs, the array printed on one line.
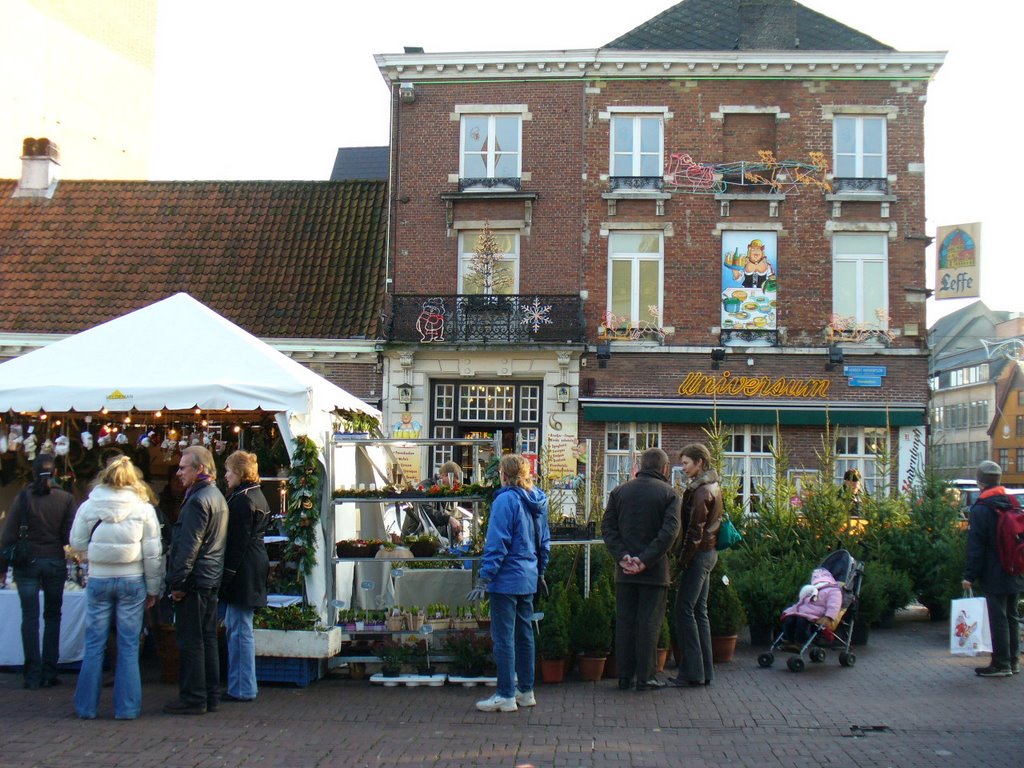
[[299, 259]]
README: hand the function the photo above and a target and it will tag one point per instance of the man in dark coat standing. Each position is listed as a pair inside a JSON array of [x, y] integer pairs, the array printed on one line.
[[194, 572], [640, 524], [1002, 591]]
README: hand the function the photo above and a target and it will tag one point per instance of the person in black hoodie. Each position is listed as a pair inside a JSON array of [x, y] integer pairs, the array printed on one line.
[[1002, 591], [246, 567], [48, 512]]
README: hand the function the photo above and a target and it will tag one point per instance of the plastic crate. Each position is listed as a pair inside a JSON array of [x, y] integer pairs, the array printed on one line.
[[275, 669]]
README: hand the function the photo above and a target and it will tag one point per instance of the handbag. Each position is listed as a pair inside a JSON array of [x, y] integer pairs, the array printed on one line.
[[728, 536], [969, 633], [19, 554]]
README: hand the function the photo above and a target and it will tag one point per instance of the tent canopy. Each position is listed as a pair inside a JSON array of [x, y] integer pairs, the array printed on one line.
[[175, 354]]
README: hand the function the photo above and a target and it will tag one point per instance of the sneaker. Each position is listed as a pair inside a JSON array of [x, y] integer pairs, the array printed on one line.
[[993, 671], [1014, 667], [525, 699], [497, 704]]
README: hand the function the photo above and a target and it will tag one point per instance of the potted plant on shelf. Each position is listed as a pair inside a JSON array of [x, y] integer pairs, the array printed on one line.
[[471, 653], [393, 654], [424, 545], [439, 616], [294, 631], [726, 615], [553, 643], [592, 636], [483, 614]]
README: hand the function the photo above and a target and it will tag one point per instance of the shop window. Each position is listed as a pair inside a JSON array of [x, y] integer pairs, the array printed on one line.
[[748, 462], [624, 442], [860, 279], [865, 449]]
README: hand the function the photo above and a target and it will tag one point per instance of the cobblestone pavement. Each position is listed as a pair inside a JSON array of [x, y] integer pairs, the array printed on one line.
[[934, 710]]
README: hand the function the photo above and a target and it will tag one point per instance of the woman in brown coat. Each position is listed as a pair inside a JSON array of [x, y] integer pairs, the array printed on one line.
[[695, 557]]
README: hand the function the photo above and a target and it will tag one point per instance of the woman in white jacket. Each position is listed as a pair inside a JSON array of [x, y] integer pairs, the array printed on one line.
[[118, 528]]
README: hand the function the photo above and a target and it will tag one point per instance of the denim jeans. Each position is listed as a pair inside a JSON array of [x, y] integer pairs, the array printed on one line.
[[48, 574], [241, 652], [512, 632], [691, 613], [195, 624], [125, 598]]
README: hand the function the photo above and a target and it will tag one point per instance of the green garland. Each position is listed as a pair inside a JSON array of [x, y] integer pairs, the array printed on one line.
[[303, 515]]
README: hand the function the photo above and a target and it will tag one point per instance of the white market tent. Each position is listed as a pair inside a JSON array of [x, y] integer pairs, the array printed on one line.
[[177, 354]]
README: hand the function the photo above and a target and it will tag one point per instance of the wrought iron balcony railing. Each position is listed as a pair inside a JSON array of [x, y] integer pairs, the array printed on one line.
[[635, 183], [865, 186], [491, 182], [497, 319]]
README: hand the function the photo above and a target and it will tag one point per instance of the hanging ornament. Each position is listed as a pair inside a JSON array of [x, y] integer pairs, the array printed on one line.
[[61, 446], [30, 445], [87, 440]]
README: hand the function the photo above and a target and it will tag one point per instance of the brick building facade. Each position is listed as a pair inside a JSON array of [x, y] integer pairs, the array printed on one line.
[[631, 188]]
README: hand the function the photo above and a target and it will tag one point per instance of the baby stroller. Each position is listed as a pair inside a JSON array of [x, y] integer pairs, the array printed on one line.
[[849, 574]]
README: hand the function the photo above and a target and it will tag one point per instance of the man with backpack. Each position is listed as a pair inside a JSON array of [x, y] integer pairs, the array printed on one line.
[[995, 557]]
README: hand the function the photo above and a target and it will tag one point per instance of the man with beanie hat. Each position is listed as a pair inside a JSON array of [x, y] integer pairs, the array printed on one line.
[[1002, 590]]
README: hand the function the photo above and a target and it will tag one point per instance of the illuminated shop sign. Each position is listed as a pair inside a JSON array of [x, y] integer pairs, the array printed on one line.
[[752, 386]]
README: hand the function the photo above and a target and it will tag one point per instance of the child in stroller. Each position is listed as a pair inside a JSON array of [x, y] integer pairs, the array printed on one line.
[[824, 614]]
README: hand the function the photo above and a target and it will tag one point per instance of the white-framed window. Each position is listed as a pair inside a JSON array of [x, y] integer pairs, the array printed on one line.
[[624, 442], [442, 453], [635, 275], [749, 462], [860, 278], [529, 403], [489, 275], [444, 403], [859, 146], [490, 146], [528, 440], [637, 145], [487, 402], [860, 448]]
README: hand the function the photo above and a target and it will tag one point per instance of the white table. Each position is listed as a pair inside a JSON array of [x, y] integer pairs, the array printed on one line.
[[72, 627]]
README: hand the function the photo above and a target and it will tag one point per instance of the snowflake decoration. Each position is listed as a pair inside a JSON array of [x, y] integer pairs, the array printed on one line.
[[536, 314]]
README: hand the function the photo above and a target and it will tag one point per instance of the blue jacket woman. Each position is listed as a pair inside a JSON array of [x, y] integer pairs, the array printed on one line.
[[515, 555]]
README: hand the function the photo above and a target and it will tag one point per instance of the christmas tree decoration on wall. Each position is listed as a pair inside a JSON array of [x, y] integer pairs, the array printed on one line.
[[486, 270]]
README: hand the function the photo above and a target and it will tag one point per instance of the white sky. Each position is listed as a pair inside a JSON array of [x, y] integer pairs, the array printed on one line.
[[261, 89]]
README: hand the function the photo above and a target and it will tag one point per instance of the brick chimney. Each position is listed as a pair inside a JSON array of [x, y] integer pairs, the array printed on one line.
[[768, 25], [40, 161]]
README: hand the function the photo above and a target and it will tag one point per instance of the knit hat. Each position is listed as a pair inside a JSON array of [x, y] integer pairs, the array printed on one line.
[[988, 474]]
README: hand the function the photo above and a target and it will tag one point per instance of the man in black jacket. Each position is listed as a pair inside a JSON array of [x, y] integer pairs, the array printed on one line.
[[1002, 590], [640, 524], [194, 572]]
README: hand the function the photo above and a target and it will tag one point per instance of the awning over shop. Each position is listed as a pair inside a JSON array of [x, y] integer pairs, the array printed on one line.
[[784, 413]]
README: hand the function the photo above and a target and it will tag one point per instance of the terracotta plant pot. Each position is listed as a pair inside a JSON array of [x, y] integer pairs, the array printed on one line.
[[611, 667], [723, 648], [552, 670], [591, 667], [662, 660]]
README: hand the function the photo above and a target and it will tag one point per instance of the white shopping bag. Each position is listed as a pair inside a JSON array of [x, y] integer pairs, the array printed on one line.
[[969, 633]]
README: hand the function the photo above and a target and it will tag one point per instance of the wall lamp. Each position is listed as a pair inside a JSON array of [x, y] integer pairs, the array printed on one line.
[[717, 356], [562, 394], [404, 394], [835, 357], [407, 93], [604, 353]]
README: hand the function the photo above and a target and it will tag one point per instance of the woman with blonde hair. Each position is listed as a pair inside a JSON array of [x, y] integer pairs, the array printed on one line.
[[246, 566], [118, 528], [515, 554]]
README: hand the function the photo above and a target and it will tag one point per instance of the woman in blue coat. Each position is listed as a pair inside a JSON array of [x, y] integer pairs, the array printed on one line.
[[515, 555]]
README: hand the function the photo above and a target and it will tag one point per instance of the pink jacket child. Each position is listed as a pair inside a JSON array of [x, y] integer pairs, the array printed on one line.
[[821, 599]]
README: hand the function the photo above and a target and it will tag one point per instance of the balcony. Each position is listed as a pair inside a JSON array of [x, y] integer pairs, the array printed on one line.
[[491, 182], [857, 186], [478, 319]]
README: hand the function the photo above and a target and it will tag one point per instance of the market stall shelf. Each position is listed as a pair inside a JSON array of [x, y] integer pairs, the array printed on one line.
[[298, 643], [409, 681]]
